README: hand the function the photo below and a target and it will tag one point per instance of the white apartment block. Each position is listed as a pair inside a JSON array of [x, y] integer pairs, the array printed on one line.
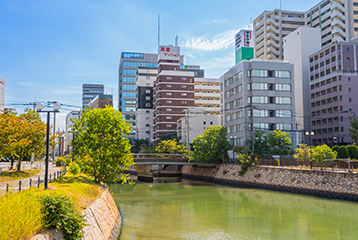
[[207, 95], [2, 95], [68, 134], [337, 19]]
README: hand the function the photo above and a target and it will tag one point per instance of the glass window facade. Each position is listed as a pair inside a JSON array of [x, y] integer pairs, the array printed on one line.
[[128, 94], [128, 79]]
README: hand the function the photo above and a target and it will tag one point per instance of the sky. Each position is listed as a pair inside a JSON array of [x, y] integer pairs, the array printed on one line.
[[49, 48]]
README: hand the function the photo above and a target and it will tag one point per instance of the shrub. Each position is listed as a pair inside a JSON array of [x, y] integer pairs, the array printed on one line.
[[64, 160], [353, 151], [60, 213], [335, 148], [245, 161], [74, 169], [343, 152]]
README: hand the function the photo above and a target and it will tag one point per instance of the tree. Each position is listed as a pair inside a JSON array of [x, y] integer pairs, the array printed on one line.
[[169, 136], [74, 169], [353, 152], [171, 147], [261, 145], [303, 152], [211, 146], [140, 145], [322, 152], [20, 136], [99, 145], [353, 123], [280, 143], [343, 152]]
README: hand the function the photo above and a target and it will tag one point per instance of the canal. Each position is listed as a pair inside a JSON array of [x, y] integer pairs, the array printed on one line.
[[199, 210]]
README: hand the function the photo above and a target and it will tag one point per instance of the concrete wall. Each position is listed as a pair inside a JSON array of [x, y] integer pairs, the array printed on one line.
[[103, 217], [326, 184]]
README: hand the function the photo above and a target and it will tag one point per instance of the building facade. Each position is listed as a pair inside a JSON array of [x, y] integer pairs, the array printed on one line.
[[101, 101], [90, 91], [2, 95], [144, 102], [173, 91], [337, 19], [244, 45], [207, 95], [333, 92], [68, 134], [258, 95], [299, 45]]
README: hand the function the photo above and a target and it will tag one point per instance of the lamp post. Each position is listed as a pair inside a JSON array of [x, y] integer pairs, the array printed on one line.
[[56, 107], [310, 134]]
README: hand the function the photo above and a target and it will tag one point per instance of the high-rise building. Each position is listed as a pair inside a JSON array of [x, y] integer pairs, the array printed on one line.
[[337, 20], [2, 95], [333, 91], [258, 95], [244, 45], [90, 91], [128, 67], [298, 45], [207, 95], [173, 91]]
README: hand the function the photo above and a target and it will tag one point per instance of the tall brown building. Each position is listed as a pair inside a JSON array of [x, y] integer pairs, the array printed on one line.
[[173, 91]]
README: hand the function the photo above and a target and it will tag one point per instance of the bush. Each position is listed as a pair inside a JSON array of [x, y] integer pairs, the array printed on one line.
[[64, 160], [60, 213], [353, 151], [74, 169], [245, 161], [343, 152], [335, 148]]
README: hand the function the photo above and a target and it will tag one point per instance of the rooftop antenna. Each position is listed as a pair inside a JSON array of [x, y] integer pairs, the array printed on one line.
[[176, 41], [158, 30]]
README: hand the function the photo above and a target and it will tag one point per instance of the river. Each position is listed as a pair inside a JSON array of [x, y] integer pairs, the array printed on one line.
[[199, 210]]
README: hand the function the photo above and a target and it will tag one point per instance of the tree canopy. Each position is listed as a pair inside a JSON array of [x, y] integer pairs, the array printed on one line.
[[171, 147], [211, 146], [261, 144], [353, 123], [99, 145], [322, 152], [280, 143], [20, 136]]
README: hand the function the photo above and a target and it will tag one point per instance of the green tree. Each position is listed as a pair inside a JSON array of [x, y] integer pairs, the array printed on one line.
[[20, 136], [211, 146], [140, 145], [280, 143], [99, 145], [353, 129], [343, 152], [169, 136], [335, 148], [353, 152], [303, 152], [322, 152], [171, 147], [261, 145], [74, 169]]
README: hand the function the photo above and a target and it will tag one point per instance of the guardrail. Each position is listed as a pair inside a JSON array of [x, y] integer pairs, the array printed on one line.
[[159, 155], [25, 166]]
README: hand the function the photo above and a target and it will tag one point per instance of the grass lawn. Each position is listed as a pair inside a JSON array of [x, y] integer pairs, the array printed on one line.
[[13, 175], [20, 213]]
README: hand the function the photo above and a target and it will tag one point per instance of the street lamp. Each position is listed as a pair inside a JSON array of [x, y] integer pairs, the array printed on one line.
[[310, 134], [56, 107]]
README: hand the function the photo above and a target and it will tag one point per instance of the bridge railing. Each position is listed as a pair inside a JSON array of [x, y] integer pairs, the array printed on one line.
[[159, 155]]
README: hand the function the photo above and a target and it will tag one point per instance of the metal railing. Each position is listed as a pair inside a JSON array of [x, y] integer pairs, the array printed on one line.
[[329, 165], [23, 184]]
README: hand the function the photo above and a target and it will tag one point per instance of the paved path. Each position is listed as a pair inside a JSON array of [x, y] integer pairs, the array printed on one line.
[[35, 180]]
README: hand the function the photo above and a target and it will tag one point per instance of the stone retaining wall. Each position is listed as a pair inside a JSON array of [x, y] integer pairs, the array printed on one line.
[[103, 217], [326, 184]]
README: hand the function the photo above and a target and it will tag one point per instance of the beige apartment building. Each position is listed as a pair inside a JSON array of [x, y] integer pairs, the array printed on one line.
[[337, 19]]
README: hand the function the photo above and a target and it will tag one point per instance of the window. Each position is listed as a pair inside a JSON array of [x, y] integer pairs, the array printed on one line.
[[184, 102], [128, 109], [169, 109], [128, 79], [283, 113], [350, 99], [147, 91], [169, 125], [183, 86], [257, 99], [147, 111], [147, 98], [283, 100], [169, 78], [128, 94], [147, 104], [169, 85], [349, 89], [128, 102], [147, 125], [283, 87], [129, 72], [283, 126], [168, 101], [349, 79], [169, 93], [211, 123], [257, 73], [183, 78], [168, 117], [282, 74], [147, 118], [183, 94], [204, 122], [257, 86]]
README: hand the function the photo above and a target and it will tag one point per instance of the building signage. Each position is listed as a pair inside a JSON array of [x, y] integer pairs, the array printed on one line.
[[169, 52]]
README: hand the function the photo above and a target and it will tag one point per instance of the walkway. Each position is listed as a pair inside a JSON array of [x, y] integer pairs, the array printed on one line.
[[36, 180]]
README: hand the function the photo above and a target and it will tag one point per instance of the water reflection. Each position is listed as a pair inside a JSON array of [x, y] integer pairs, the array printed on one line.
[[201, 210]]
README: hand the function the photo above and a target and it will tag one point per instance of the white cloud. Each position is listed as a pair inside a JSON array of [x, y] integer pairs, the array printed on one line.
[[215, 21], [221, 41]]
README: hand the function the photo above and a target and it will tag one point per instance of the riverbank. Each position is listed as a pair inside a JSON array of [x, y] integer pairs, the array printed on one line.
[[323, 184]]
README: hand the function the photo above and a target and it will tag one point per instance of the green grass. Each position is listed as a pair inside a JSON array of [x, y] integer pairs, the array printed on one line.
[[13, 175], [20, 213]]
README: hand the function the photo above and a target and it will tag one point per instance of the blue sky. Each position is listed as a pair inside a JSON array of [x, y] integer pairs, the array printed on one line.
[[49, 48]]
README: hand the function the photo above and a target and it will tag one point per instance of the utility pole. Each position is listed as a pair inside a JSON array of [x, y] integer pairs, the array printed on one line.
[[252, 128], [187, 129]]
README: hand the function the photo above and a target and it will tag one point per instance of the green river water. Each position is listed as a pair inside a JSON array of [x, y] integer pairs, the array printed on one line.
[[198, 210]]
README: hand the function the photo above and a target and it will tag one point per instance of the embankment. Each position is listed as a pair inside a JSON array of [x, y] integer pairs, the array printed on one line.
[[103, 219], [318, 183]]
